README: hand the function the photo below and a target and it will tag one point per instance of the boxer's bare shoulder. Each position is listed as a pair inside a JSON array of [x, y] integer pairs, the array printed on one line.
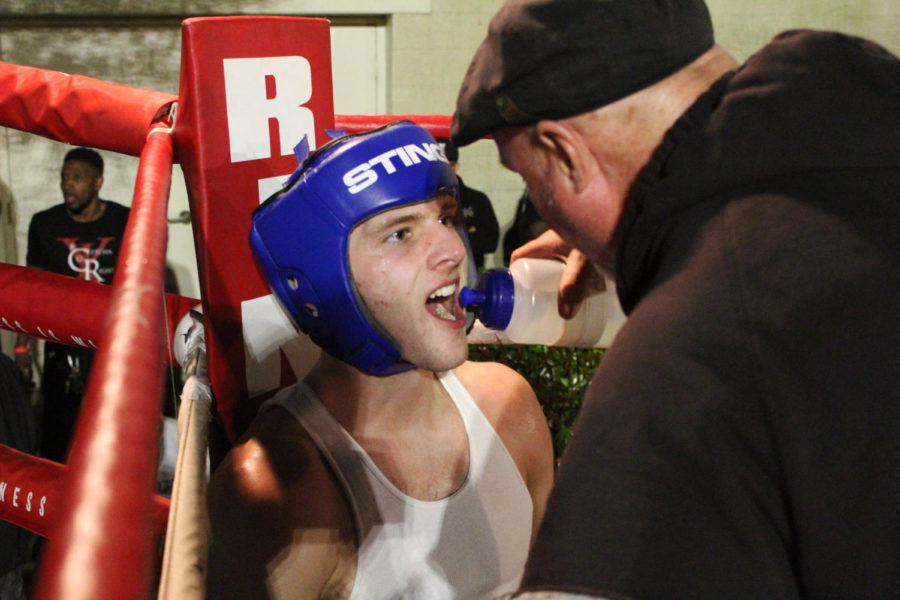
[[272, 537]]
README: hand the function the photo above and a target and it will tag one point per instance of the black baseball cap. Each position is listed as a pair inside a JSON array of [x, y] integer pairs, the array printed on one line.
[[552, 59]]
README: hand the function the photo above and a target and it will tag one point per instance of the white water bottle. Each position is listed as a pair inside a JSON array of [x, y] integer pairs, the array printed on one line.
[[521, 302]]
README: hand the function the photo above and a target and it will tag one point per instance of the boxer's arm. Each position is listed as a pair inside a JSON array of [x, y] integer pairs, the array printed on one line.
[[280, 527]]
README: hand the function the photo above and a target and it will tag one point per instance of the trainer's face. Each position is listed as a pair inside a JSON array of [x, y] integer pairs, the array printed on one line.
[[409, 264], [80, 185], [578, 219]]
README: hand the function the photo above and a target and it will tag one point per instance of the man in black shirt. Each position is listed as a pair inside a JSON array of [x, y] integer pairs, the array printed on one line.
[[81, 238]]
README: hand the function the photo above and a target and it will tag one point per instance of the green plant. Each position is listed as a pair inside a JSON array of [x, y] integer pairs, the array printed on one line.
[[559, 377]]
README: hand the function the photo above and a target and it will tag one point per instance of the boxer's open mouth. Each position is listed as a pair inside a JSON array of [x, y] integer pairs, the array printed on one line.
[[442, 302]]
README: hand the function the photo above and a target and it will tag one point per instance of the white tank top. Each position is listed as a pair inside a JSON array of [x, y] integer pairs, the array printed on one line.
[[472, 544]]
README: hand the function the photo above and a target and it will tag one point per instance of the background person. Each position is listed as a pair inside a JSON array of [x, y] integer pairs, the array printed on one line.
[[527, 225], [396, 469], [81, 238], [17, 430], [741, 438]]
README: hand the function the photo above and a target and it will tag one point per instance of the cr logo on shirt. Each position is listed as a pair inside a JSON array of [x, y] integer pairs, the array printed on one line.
[[82, 257]]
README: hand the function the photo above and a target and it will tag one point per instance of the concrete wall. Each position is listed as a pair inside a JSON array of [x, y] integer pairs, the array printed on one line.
[[430, 43]]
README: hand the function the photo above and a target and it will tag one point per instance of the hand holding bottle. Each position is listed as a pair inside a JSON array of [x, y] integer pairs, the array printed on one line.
[[580, 277]]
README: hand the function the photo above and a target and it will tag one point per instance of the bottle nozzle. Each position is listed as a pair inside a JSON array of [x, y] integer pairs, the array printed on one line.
[[469, 296], [492, 300]]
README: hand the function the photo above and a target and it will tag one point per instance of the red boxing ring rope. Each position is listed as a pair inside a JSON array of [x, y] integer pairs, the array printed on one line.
[[102, 547], [26, 307], [437, 125], [30, 488], [79, 110]]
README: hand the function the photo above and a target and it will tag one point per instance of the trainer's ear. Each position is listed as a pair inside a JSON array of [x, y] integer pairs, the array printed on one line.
[[570, 160], [582, 189]]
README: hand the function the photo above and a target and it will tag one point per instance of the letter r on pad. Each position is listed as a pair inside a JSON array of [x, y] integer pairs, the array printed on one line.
[[249, 109]]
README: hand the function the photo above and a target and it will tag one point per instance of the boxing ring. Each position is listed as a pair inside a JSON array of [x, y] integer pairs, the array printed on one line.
[[104, 525]]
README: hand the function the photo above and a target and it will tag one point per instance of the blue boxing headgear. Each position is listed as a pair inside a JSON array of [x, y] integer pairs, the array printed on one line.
[[300, 235]]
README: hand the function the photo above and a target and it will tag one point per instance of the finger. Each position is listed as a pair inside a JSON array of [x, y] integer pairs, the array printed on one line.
[[579, 279], [547, 245]]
